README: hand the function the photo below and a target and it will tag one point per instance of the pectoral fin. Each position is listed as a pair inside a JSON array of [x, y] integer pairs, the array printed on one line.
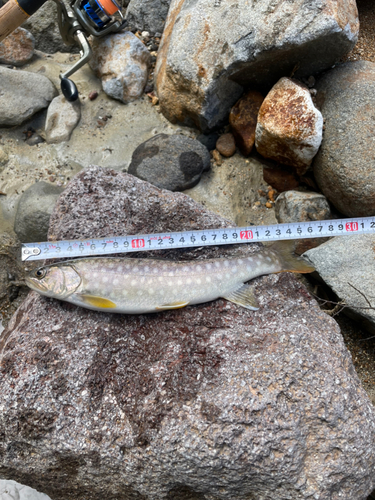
[[174, 305], [244, 297], [96, 301]]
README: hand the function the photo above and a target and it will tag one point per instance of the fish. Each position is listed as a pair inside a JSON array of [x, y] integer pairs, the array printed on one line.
[[138, 286]]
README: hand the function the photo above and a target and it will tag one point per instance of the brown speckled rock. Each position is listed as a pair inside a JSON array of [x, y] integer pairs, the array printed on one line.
[[226, 145], [289, 128], [208, 402], [17, 48]]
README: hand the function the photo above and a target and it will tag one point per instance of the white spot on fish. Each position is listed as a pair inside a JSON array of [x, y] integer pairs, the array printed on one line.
[[227, 275], [151, 291], [250, 259], [119, 269], [127, 266], [199, 268], [115, 281], [199, 281], [165, 266], [217, 264], [95, 275], [208, 266], [124, 293], [105, 279], [234, 269], [160, 278], [133, 282], [226, 263], [208, 279], [268, 259], [240, 261], [188, 281], [135, 269], [146, 269], [171, 273], [179, 282], [143, 279]]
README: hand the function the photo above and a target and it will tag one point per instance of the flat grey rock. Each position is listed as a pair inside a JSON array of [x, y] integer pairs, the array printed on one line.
[[345, 165], [210, 401], [22, 94], [347, 265], [173, 162]]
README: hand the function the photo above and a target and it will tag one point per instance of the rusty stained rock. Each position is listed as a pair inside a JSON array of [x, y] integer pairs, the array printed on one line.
[[208, 401], [17, 48], [243, 119], [290, 127]]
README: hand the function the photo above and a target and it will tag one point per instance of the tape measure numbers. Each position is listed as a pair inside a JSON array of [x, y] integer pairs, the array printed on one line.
[[199, 238]]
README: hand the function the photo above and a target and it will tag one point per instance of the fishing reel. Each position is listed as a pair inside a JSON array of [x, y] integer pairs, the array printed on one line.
[[79, 20]]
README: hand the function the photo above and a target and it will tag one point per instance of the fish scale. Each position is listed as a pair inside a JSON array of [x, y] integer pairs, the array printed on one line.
[[135, 286]]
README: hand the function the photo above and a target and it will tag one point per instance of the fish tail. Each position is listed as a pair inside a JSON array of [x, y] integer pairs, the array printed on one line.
[[289, 261]]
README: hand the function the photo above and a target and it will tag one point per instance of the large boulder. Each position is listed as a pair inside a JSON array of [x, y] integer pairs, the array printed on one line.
[[344, 168], [211, 401], [212, 50]]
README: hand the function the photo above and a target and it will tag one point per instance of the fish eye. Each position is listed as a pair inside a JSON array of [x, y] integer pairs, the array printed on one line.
[[40, 273]]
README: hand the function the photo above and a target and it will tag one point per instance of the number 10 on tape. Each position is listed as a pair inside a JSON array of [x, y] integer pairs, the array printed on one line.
[[199, 238]]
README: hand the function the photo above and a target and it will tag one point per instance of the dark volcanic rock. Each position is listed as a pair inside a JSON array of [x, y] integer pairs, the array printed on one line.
[[211, 401], [173, 162]]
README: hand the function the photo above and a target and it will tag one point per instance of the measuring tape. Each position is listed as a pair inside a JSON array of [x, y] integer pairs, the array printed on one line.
[[199, 238]]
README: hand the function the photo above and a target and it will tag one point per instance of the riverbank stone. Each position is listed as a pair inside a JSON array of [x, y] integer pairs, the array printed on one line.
[[173, 162], [154, 406]]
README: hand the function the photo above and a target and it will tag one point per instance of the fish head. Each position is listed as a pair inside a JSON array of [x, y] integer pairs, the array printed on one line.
[[58, 281]]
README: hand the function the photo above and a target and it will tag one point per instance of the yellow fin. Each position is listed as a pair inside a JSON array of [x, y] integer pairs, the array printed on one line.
[[95, 301], [243, 296], [174, 305], [290, 262]]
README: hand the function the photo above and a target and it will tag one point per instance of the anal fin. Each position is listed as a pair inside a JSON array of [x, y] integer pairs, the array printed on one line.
[[173, 305], [96, 301], [243, 296]]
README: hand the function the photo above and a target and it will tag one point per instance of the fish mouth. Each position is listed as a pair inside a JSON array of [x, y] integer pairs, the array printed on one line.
[[35, 285]]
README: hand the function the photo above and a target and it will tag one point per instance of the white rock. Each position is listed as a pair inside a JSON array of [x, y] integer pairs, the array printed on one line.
[[121, 61], [11, 490], [289, 128], [62, 118]]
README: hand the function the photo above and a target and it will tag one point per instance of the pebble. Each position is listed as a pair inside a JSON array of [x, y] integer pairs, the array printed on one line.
[[226, 145]]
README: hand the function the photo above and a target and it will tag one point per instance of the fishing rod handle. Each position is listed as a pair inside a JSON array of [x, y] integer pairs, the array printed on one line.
[[16, 12]]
